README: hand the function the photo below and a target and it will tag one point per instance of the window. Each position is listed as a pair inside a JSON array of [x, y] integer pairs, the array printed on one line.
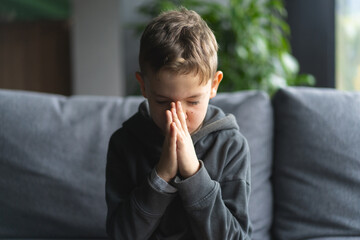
[[347, 44]]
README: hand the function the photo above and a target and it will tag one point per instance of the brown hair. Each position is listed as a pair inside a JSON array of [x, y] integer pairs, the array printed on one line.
[[179, 41]]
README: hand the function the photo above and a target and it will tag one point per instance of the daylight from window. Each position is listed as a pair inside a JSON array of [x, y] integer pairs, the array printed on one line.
[[348, 44]]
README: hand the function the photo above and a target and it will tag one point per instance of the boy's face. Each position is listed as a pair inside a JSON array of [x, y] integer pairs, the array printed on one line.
[[169, 87]]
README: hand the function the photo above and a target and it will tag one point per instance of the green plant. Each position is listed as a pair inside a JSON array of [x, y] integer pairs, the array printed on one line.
[[252, 35]]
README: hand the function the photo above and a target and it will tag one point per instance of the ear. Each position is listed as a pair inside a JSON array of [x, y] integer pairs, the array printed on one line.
[[140, 79], [215, 84]]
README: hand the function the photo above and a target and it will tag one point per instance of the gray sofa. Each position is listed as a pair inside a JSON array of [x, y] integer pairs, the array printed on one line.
[[304, 142]]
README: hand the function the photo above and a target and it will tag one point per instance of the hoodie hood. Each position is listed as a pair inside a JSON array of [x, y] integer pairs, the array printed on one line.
[[215, 120]]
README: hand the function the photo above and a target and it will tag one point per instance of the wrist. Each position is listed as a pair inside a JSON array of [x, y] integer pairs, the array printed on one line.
[[191, 171], [163, 175]]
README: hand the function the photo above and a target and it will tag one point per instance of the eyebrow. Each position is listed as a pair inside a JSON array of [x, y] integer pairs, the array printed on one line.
[[196, 95], [193, 96]]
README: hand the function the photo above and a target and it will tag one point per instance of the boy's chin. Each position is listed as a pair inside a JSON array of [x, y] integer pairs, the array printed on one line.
[[192, 131]]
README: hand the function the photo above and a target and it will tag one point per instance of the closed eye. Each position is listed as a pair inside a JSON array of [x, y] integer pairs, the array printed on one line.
[[194, 103]]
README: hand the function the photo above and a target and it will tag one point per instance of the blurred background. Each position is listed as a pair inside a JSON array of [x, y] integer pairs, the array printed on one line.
[[90, 47]]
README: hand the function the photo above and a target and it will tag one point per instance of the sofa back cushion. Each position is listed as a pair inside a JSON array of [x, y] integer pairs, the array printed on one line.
[[53, 156], [254, 115], [316, 164]]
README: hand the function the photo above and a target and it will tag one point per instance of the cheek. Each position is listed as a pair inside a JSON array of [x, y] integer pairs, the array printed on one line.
[[158, 115], [196, 115]]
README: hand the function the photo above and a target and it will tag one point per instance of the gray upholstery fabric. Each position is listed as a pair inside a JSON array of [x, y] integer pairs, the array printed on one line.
[[53, 155], [254, 114], [52, 158], [316, 164]]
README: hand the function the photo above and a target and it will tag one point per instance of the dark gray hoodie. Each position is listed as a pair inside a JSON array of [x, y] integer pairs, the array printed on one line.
[[212, 204]]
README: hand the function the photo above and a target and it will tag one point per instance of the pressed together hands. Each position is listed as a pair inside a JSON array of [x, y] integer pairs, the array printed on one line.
[[178, 154]]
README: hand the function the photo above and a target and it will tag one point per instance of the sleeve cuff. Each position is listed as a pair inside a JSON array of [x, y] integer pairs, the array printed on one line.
[[150, 201], [160, 184], [195, 188]]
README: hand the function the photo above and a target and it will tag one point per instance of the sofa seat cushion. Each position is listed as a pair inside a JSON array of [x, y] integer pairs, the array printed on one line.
[[316, 164]]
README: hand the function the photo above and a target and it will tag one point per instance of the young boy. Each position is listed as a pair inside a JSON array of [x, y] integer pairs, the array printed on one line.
[[179, 168]]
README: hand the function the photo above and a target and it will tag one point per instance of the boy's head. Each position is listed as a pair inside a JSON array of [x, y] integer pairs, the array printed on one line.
[[178, 62], [179, 41]]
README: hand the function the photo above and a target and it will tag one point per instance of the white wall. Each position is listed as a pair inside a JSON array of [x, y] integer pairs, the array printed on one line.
[[97, 54]]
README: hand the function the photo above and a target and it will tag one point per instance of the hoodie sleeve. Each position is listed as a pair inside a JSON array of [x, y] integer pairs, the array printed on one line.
[[133, 213], [218, 209]]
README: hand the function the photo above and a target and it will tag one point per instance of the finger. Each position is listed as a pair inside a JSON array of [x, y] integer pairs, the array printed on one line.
[[172, 141], [173, 146], [173, 111], [172, 105], [169, 120], [179, 133], [181, 116], [176, 119]]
